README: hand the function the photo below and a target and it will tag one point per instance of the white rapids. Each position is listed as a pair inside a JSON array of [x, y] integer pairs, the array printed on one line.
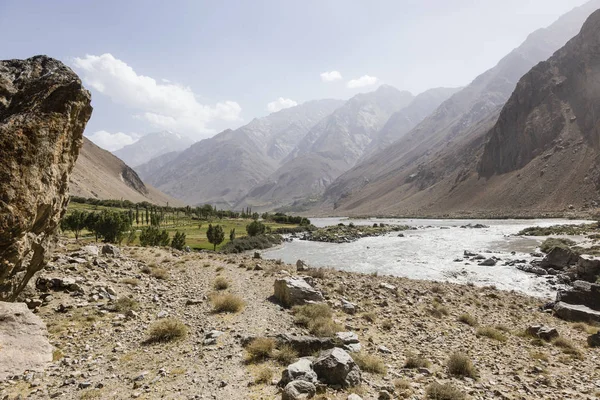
[[430, 252]]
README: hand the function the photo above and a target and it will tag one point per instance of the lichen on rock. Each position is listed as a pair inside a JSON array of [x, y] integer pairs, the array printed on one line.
[[43, 112]]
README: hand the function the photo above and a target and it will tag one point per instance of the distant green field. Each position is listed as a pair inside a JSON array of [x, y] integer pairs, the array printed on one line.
[[195, 230]]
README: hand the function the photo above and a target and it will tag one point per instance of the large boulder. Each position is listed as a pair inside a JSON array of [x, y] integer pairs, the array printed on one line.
[[543, 332], [299, 390], [559, 258], [43, 111], [576, 312], [336, 367], [295, 291], [581, 292], [24, 343], [588, 268], [301, 370]]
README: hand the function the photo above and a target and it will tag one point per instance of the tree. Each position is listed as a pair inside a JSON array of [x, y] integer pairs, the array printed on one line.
[[137, 214], [215, 235], [255, 228], [232, 235], [91, 223], [74, 222], [147, 217], [152, 236], [178, 241], [111, 225]]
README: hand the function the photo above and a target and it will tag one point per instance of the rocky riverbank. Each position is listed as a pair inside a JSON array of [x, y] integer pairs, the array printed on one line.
[[343, 233], [232, 338]]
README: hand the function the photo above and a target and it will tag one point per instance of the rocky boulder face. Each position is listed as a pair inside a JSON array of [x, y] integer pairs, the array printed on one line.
[[43, 111], [295, 291], [23, 341]]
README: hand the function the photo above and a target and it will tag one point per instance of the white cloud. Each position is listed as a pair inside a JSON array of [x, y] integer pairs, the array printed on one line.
[[364, 80], [280, 104], [331, 76], [164, 104], [113, 141]]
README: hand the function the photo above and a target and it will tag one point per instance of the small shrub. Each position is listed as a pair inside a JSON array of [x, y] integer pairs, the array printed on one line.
[[318, 273], [468, 319], [369, 317], [538, 355], [166, 330], [221, 283], [492, 333], [160, 273], [286, 354], [460, 365], [414, 361], [317, 318], [437, 391], [57, 354], [227, 303], [567, 347], [263, 375], [369, 363], [387, 325], [126, 304], [131, 281], [260, 349], [438, 310]]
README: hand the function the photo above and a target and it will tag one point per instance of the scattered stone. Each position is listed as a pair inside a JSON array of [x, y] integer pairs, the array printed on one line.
[[490, 262], [354, 396], [532, 269], [295, 291], [588, 268], [110, 250], [300, 370], [301, 266], [384, 395], [336, 367], [298, 390], [594, 340], [24, 344], [348, 307], [347, 337], [543, 332], [387, 286], [559, 258]]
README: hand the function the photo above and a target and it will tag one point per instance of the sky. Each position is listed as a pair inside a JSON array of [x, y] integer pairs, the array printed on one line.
[[197, 67]]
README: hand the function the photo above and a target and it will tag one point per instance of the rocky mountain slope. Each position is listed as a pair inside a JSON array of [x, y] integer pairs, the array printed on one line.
[[222, 169], [404, 120], [151, 168], [405, 178], [100, 174], [330, 148], [44, 109], [102, 310], [152, 145]]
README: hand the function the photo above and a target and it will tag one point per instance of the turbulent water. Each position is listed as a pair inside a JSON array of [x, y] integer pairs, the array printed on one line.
[[430, 251]]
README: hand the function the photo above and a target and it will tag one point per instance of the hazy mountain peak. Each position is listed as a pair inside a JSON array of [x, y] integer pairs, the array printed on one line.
[[153, 145]]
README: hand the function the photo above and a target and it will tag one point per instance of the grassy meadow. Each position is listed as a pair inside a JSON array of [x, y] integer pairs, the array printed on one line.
[[194, 229]]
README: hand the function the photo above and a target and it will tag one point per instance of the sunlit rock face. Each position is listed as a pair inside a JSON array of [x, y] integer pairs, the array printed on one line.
[[43, 111]]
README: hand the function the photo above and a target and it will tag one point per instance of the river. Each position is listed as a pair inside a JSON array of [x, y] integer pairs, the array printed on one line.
[[430, 251]]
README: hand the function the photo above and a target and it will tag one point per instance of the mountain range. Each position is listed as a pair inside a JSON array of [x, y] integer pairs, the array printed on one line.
[[153, 145], [466, 156], [445, 151]]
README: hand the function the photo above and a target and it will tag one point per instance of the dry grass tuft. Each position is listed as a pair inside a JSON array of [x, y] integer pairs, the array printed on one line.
[[369, 317], [492, 333], [437, 391], [438, 310], [221, 283], [568, 348], [263, 375], [227, 303], [126, 304], [317, 318], [260, 349], [131, 281], [286, 354], [468, 319], [369, 363], [460, 365], [166, 330], [160, 273], [414, 361]]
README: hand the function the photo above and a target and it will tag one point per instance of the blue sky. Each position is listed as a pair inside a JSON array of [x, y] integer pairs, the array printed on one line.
[[198, 67]]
